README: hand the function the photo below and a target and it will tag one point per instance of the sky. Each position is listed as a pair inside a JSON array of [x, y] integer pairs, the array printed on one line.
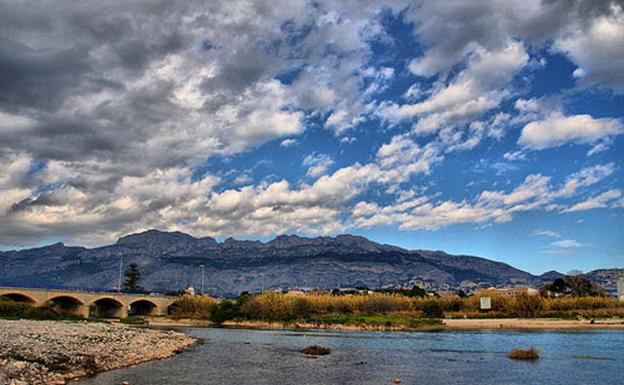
[[490, 128]]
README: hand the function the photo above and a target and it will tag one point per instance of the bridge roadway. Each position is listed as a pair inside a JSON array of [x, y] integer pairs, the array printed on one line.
[[88, 303]]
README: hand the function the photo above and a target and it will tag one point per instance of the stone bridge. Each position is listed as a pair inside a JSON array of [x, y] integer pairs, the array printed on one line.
[[91, 304]]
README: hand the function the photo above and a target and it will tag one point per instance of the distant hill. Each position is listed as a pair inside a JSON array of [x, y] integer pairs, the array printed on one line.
[[172, 260]]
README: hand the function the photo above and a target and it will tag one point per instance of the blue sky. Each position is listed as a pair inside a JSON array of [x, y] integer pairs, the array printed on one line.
[[481, 128]]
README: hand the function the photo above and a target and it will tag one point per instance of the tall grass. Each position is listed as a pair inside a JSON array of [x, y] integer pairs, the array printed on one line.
[[581, 303], [276, 306], [192, 307], [283, 307]]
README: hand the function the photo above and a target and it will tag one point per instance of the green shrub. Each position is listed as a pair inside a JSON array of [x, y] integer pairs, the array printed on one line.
[[132, 320], [42, 313], [12, 309], [432, 309], [526, 305], [224, 311]]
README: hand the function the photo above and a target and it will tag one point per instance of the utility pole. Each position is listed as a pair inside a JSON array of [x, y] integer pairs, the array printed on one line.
[[202, 266], [119, 280]]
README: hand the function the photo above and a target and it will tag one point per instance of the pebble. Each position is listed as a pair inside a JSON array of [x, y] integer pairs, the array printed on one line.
[[52, 353]]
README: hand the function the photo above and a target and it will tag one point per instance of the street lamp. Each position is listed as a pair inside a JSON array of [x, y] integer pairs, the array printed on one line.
[[202, 279], [119, 278]]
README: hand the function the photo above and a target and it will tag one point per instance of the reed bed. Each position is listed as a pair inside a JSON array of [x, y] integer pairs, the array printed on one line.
[[198, 307], [582, 303], [283, 307], [276, 306]]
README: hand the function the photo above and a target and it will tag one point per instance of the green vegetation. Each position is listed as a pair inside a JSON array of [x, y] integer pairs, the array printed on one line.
[[133, 320], [387, 309], [198, 307], [132, 277], [572, 285], [387, 320], [432, 309], [20, 310]]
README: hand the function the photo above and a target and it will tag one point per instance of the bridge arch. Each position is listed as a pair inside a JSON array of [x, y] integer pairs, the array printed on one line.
[[19, 297], [107, 307], [67, 304], [142, 306]]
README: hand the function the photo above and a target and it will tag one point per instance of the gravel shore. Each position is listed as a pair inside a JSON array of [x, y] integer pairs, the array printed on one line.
[[50, 352]]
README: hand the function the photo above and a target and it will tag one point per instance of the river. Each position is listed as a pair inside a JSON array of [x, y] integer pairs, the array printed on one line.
[[271, 357]]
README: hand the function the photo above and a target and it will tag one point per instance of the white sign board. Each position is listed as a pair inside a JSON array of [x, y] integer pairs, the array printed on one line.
[[486, 303]]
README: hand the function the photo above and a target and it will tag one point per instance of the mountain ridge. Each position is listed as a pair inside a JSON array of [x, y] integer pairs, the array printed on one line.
[[171, 260]]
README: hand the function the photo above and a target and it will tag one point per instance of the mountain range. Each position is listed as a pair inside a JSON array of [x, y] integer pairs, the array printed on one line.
[[172, 260]]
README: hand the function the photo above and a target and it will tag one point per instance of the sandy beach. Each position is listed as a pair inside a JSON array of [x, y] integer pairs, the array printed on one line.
[[50, 352], [531, 324]]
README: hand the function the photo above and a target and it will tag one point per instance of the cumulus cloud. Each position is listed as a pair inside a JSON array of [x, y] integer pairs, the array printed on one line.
[[110, 111], [477, 89], [425, 212], [558, 129], [597, 49]]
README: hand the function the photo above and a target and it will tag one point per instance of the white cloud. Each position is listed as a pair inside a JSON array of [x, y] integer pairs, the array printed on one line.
[[558, 129], [122, 102], [597, 49], [288, 142], [479, 88], [546, 233], [475, 90], [599, 201], [242, 179], [567, 243], [515, 155], [586, 177], [535, 193], [558, 251]]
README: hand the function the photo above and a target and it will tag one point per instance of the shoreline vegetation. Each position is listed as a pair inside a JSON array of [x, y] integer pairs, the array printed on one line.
[[56, 352], [373, 311], [384, 311]]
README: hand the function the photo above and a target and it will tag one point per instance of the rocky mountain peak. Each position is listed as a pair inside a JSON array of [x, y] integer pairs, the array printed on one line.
[[152, 237]]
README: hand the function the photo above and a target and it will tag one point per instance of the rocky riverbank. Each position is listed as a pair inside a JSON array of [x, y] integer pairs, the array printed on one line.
[[49, 352]]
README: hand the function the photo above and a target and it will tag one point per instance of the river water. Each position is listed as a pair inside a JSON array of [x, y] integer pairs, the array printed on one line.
[[271, 357]]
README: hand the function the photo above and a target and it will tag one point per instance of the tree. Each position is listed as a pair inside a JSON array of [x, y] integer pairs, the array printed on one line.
[[574, 285], [416, 291], [132, 277]]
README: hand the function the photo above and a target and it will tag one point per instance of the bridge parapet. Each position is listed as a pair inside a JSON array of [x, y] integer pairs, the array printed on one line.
[[86, 303]]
